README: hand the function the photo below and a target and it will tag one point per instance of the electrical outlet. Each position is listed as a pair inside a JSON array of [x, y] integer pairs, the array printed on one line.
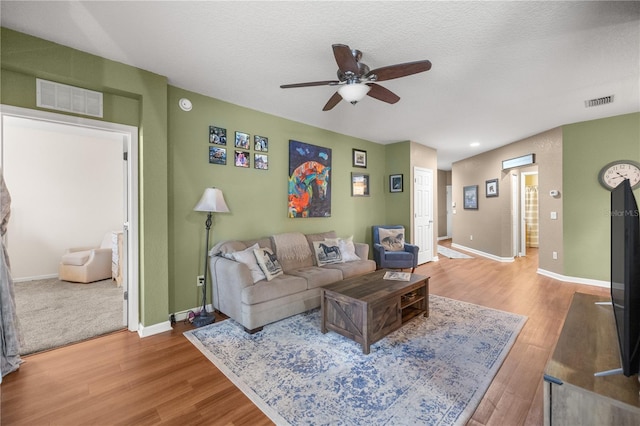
[[554, 255], [200, 280], [471, 237]]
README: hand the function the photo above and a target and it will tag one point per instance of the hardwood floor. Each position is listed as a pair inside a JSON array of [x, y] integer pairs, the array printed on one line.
[[163, 379]]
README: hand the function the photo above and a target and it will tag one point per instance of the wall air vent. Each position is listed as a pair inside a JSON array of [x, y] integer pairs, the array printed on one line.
[[68, 98], [598, 101]]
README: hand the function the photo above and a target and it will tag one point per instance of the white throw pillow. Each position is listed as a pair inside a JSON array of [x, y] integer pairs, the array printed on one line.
[[347, 248], [268, 263], [327, 252], [247, 257], [392, 239]]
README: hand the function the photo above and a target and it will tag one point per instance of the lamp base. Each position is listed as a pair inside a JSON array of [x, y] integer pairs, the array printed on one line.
[[204, 318]]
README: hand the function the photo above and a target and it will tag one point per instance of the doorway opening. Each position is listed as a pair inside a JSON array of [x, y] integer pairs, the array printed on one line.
[[22, 130]]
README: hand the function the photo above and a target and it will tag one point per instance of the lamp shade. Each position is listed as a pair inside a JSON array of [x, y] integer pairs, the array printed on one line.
[[354, 92], [212, 201]]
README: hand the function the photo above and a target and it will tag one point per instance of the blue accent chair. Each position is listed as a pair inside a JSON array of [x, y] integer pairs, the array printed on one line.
[[407, 258]]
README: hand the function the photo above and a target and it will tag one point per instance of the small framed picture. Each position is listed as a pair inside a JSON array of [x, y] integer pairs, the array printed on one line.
[[359, 185], [260, 143], [395, 183], [359, 158], [470, 194], [241, 159], [242, 140], [491, 187], [217, 135], [217, 155], [261, 161]]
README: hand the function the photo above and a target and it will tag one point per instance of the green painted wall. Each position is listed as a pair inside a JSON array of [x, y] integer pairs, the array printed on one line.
[[587, 147], [257, 198], [132, 96], [399, 203]]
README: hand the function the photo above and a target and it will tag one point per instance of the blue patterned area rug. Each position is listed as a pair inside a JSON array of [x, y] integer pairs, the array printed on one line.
[[432, 371]]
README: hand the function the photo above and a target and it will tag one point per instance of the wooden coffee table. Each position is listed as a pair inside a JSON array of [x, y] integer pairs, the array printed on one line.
[[368, 307]]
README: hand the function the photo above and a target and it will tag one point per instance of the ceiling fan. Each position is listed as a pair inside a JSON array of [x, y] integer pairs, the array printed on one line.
[[355, 80]]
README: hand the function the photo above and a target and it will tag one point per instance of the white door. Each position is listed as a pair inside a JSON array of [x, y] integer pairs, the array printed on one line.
[[423, 213]]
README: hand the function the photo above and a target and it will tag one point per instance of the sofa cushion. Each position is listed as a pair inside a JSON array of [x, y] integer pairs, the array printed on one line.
[[327, 252], [320, 236], [347, 249], [248, 257], [292, 250], [76, 258], [352, 269], [317, 276], [392, 239], [280, 286], [268, 262], [225, 248]]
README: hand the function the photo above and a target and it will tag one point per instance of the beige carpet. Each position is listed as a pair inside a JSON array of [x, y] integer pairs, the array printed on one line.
[[53, 313]]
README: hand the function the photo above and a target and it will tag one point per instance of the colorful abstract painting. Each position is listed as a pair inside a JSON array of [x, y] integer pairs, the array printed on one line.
[[309, 180]]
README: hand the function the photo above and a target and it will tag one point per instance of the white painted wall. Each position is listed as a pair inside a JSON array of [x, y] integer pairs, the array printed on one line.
[[66, 185]]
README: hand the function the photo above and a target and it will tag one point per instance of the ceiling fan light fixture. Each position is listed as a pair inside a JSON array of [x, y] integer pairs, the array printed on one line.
[[354, 92]]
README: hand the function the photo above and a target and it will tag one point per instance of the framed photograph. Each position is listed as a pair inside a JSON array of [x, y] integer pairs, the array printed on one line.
[[359, 158], [217, 135], [260, 143], [470, 194], [491, 187], [217, 155], [395, 183], [242, 140], [261, 161], [359, 185], [241, 159]]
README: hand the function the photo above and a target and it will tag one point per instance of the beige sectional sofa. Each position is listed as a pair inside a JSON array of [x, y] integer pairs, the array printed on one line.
[[307, 263]]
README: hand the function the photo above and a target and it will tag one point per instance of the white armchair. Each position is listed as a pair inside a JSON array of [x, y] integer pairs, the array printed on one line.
[[87, 264]]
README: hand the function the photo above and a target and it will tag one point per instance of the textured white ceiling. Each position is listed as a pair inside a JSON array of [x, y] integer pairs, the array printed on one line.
[[502, 71]]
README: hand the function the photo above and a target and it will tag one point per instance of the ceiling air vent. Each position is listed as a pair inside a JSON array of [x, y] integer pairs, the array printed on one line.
[[598, 101], [68, 98]]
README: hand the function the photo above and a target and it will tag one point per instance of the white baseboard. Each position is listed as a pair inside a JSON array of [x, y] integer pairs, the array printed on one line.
[[154, 329], [38, 277], [483, 254], [166, 325], [446, 237], [575, 280]]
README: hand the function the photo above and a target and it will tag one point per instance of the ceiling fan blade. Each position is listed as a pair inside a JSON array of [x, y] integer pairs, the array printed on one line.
[[400, 70], [382, 94], [333, 101], [345, 59], [312, 83]]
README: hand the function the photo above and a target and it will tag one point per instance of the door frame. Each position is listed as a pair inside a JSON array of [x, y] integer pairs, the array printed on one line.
[[523, 224], [130, 227], [417, 208]]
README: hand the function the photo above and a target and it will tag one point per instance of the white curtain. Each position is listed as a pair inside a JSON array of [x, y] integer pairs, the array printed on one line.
[[9, 337]]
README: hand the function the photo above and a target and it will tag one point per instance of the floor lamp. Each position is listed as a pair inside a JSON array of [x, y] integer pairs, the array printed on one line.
[[212, 201]]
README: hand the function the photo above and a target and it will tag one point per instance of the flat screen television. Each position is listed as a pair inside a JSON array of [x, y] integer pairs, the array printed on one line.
[[625, 275]]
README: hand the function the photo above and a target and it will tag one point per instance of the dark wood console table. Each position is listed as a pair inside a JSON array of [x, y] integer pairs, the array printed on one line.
[[367, 308], [588, 344]]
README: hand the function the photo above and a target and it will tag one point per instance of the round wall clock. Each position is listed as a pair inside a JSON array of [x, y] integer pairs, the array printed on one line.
[[615, 172]]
